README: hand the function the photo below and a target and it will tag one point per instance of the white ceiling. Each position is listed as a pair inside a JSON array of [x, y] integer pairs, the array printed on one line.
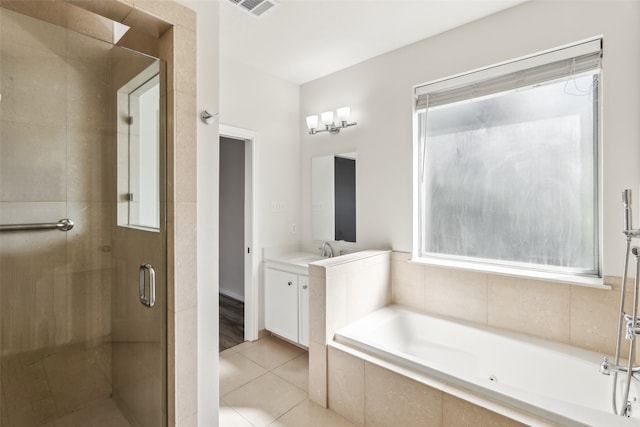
[[302, 40]]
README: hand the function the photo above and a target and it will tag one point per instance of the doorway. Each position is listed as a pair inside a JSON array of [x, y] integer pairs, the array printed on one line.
[[238, 265], [232, 213]]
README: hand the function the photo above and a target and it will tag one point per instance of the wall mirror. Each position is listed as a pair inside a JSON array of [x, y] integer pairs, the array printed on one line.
[[333, 197], [139, 141]]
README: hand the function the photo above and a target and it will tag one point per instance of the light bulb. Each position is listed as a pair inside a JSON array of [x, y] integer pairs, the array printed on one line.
[[343, 114], [327, 118], [312, 122]]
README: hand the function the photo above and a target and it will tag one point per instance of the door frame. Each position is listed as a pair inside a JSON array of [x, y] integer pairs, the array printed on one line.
[[251, 266]]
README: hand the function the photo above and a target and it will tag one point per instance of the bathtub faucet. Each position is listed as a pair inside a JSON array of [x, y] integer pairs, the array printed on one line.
[[633, 328], [606, 368]]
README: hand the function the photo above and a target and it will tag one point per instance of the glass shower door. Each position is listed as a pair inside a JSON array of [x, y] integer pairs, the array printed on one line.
[[77, 347]]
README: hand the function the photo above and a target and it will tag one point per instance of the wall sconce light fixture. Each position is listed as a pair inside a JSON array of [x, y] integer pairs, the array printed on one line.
[[330, 125]]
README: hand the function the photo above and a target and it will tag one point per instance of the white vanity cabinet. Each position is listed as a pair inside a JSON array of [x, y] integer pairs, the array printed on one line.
[[303, 310], [286, 295]]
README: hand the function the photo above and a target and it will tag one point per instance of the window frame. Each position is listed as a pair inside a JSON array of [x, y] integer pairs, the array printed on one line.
[[594, 279]]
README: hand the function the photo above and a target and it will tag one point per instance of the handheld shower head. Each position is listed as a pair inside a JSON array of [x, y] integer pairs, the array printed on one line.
[[626, 202]]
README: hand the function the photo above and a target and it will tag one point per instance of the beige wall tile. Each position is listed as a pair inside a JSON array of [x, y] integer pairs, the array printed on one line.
[[395, 400], [34, 280], [27, 74], [114, 10], [185, 148], [408, 282], [317, 271], [166, 53], [171, 147], [140, 41], [85, 22], [594, 318], [86, 49], [336, 306], [90, 157], [185, 55], [89, 242], [346, 386], [139, 19], [446, 288], [46, 10], [368, 284], [169, 11], [530, 306], [28, 32], [318, 373], [186, 364], [185, 262], [459, 413], [29, 171], [88, 96], [171, 366], [363, 296], [317, 309]]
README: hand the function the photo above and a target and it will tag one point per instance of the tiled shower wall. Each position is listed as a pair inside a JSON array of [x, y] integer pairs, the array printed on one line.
[[576, 315], [56, 286], [168, 30]]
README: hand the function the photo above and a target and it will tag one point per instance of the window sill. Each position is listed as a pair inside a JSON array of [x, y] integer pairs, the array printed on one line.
[[588, 281]]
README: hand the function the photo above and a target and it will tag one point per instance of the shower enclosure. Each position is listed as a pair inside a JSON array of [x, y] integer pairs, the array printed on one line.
[[82, 311]]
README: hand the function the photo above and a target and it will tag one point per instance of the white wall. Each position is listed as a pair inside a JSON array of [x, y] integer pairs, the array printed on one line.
[[379, 92], [253, 100]]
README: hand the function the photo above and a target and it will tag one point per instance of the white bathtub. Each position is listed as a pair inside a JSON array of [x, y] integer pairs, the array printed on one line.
[[524, 375]]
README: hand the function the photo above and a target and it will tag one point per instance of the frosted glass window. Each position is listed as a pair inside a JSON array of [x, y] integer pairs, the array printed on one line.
[[511, 178]]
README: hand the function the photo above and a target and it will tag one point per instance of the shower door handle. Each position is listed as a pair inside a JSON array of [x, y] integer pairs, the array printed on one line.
[[151, 300]]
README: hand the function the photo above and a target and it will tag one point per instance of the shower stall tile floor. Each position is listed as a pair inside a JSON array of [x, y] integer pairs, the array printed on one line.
[[265, 383], [61, 387]]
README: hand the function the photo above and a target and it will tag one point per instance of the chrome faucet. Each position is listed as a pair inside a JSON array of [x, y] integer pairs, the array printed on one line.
[[324, 247], [607, 367]]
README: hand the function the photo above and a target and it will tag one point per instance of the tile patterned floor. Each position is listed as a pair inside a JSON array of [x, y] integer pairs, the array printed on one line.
[[265, 383]]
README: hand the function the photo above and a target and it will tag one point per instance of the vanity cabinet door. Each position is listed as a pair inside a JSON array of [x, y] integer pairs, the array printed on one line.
[[303, 303], [281, 303]]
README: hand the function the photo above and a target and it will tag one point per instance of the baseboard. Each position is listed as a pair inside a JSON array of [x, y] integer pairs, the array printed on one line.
[[231, 294]]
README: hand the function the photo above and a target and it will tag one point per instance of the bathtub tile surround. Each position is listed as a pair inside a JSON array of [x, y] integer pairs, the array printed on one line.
[[346, 386], [370, 395], [167, 28], [459, 413], [576, 315], [358, 386], [392, 399], [342, 290]]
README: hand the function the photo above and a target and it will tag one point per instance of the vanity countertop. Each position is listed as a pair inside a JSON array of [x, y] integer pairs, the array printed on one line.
[[296, 261]]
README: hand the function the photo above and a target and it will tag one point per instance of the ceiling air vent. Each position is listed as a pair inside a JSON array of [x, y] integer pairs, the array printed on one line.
[[255, 7]]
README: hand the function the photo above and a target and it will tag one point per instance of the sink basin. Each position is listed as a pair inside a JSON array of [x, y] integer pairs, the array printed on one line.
[[305, 260]]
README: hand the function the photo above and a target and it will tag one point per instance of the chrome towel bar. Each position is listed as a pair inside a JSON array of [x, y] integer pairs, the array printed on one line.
[[62, 225]]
